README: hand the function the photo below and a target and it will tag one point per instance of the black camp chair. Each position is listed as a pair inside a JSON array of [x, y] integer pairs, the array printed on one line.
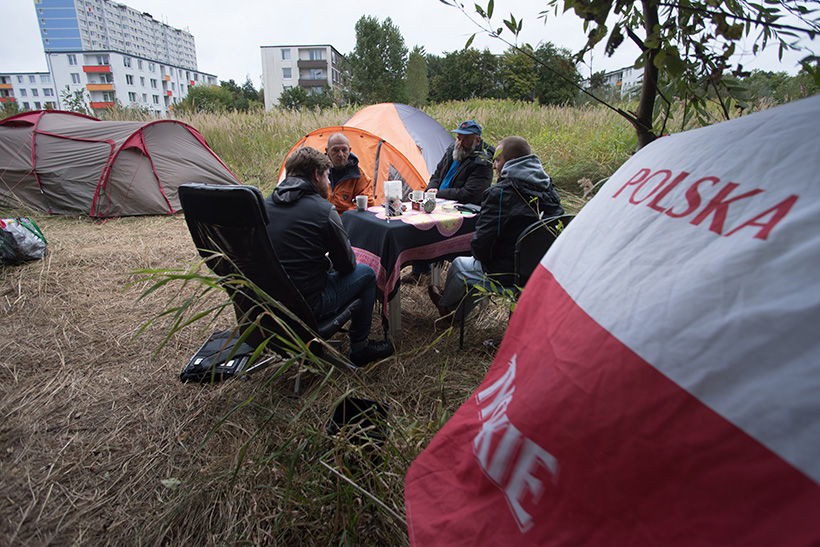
[[228, 226], [530, 248]]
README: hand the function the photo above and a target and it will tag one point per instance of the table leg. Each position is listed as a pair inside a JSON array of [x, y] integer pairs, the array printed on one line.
[[394, 315], [435, 274]]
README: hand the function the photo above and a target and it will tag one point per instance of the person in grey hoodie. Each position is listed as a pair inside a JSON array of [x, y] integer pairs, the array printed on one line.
[[313, 247], [523, 194]]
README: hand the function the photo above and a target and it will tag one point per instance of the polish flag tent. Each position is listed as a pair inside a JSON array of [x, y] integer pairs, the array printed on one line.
[[659, 382]]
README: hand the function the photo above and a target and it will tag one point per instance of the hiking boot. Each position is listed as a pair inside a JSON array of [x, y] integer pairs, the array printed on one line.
[[435, 296], [373, 351]]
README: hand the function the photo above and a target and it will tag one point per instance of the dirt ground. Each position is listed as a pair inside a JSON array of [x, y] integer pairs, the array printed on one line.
[[103, 445]]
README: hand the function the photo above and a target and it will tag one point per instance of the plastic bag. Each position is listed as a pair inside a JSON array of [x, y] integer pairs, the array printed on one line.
[[20, 240]]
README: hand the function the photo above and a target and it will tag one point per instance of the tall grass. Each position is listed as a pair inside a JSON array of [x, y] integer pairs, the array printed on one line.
[[573, 143]]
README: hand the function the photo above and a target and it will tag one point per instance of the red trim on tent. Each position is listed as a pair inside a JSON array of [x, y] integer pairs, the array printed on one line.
[[137, 140]]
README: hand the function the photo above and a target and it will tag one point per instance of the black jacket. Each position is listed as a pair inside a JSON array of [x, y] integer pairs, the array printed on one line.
[[304, 227], [472, 177], [523, 193]]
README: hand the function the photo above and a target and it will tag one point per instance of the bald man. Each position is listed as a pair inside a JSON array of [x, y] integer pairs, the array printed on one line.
[[347, 180]]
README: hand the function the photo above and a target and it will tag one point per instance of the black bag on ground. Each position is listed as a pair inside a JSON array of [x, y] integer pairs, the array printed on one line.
[[20, 240], [217, 359]]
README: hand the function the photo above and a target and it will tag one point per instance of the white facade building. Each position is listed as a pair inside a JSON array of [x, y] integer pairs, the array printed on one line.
[[309, 66], [111, 54], [626, 80], [31, 90]]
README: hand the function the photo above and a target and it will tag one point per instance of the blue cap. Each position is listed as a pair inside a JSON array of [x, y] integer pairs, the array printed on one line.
[[468, 128]]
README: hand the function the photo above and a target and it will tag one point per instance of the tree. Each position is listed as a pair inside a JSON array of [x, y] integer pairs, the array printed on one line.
[[293, 98], [418, 86], [558, 77], [685, 47], [76, 101], [9, 108], [378, 62], [519, 74], [468, 74], [207, 98]]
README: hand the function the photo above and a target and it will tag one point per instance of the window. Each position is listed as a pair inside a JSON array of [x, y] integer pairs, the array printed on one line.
[[139, 64], [151, 67], [317, 73], [287, 73], [316, 54], [19, 79], [156, 99], [196, 77], [37, 106], [48, 92], [102, 59], [173, 86], [142, 81], [286, 87], [129, 79], [132, 96], [126, 61], [286, 55], [72, 60], [35, 93], [108, 96], [32, 79], [153, 83], [45, 78], [75, 77], [26, 106], [22, 92], [145, 97]]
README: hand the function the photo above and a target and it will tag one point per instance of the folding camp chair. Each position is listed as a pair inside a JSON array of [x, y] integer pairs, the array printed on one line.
[[228, 226], [530, 248]]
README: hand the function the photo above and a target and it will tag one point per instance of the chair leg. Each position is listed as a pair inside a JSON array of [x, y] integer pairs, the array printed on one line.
[[461, 332]]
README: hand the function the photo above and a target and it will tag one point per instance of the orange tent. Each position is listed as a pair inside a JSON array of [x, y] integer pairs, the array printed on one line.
[[392, 141]]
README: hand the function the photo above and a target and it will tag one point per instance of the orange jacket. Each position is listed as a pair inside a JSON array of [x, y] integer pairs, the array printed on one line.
[[354, 182]]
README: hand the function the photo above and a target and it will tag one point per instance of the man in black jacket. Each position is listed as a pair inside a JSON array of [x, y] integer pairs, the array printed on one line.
[[313, 247], [523, 194], [465, 171]]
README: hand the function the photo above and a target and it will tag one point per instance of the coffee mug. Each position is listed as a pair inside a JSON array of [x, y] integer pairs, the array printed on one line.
[[417, 195], [361, 203]]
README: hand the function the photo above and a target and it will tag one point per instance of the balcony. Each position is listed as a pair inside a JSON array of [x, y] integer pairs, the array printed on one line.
[[100, 87], [6, 99], [96, 68], [169, 93], [167, 78], [102, 105], [312, 64], [305, 82], [5, 86]]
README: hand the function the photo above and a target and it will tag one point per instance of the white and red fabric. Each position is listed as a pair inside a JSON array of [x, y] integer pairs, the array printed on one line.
[[659, 383]]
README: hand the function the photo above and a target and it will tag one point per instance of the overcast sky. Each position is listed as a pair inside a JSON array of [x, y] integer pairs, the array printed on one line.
[[229, 34]]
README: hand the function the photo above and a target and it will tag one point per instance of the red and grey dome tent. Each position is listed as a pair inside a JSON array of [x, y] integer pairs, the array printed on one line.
[[67, 163], [392, 141]]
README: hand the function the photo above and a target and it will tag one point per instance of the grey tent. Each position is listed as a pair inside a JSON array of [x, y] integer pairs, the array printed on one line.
[[67, 163]]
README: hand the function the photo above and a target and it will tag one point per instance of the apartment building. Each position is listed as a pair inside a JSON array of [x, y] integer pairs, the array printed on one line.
[[112, 53], [626, 80], [31, 90], [309, 66]]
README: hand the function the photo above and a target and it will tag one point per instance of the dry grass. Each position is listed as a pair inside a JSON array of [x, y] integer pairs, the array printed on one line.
[[102, 445]]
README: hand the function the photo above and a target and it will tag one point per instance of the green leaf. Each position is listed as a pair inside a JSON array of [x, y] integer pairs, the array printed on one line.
[[469, 41], [490, 7]]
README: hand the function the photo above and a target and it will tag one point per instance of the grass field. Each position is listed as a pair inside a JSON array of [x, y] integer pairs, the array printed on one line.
[[102, 445]]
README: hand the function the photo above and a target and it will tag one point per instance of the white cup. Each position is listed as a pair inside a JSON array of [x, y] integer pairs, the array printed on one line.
[[431, 193], [361, 203], [417, 195]]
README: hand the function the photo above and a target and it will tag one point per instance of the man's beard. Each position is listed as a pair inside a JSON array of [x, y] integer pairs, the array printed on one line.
[[460, 154]]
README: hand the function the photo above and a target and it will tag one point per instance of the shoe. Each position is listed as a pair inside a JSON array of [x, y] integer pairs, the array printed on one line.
[[435, 295], [373, 351]]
